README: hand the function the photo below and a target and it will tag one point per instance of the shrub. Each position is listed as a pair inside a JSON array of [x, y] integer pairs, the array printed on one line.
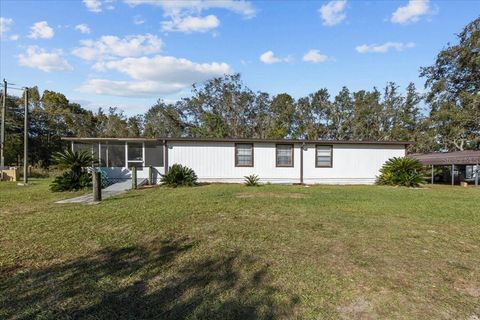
[[76, 177], [252, 180], [69, 181], [179, 176], [401, 171]]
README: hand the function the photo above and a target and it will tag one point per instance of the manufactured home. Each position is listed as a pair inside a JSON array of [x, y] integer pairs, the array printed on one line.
[[230, 160]]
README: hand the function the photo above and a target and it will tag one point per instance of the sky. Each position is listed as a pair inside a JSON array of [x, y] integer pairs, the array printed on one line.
[[130, 53]]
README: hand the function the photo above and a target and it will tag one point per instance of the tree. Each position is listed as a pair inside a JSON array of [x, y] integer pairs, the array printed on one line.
[[164, 120], [135, 126], [113, 124], [311, 122], [221, 107], [281, 115], [389, 115], [454, 91], [366, 123], [340, 115]]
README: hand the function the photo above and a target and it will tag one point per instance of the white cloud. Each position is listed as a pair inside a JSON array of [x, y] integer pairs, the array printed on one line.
[[191, 24], [41, 30], [153, 76], [39, 58], [411, 12], [314, 55], [93, 5], [332, 13], [82, 28], [269, 57], [138, 20], [5, 24], [173, 8], [108, 47], [384, 48], [186, 16], [129, 88], [14, 37]]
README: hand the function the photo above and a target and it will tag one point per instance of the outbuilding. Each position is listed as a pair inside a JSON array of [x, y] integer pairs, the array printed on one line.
[[459, 166]]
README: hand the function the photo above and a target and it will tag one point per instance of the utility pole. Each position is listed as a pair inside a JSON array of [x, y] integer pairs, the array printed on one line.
[[25, 141], [2, 137]]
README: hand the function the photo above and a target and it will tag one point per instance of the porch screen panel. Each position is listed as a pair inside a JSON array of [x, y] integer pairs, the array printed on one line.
[[135, 155], [153, 154], [95, 150], [81, 147], [324, 156], [116, 154], [103, 155]]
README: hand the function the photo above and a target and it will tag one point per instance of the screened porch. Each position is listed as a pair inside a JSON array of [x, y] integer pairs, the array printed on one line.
[[117, 158]]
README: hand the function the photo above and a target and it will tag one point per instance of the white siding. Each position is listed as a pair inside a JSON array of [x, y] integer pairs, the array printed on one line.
[[351, 163], [215, 162]]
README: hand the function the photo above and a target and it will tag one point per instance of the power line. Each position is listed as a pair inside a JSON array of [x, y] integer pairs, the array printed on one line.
[[15, 88]]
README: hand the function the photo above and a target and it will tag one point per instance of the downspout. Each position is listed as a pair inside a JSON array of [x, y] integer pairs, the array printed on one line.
[[453, 174], [165, 156], [433, 175], [477, 174], [301, 162]]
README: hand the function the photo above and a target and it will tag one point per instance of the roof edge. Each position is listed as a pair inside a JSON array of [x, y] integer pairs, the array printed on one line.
[[79, 139]]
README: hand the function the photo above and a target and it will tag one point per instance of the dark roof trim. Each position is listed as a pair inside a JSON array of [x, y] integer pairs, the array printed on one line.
[[405, 143], [448, 158]]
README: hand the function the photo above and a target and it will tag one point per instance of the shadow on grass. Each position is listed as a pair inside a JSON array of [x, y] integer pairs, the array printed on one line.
[[158, 281]]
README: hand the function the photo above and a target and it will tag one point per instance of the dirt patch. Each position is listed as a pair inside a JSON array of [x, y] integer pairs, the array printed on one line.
[[291, 195], [467, 287], [357, 309]]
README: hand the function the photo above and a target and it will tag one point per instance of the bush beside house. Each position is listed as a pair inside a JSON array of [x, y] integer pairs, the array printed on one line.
[[401, 171]]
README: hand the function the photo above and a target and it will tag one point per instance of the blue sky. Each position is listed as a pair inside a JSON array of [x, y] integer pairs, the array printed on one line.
[[129, 53]]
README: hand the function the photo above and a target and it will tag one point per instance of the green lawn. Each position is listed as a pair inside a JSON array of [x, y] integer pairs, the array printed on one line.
[[233, 252]]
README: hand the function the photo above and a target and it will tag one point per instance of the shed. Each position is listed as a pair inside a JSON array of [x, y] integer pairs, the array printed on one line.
[[468, 160]]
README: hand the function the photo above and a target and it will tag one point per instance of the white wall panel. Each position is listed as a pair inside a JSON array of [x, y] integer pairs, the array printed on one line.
[[215, 162], [352, 163]]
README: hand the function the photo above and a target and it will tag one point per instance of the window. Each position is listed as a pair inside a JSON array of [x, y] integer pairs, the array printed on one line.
[[135, 155], [284, 155], [244, 155], [324, 156]]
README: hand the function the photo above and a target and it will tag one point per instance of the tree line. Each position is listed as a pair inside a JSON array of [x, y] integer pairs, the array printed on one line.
[[446, 117]]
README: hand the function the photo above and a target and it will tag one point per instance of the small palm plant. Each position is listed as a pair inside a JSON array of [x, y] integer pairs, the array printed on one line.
[[401, 171], [179, 176], [74, 161], [76, 175], [252, 180]]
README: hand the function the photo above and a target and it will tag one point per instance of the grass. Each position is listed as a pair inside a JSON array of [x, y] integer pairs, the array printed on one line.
[[233, 252]]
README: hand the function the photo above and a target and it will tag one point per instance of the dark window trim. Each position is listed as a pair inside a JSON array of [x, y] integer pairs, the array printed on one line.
[[236, 154], [276, 155], [331, 155]]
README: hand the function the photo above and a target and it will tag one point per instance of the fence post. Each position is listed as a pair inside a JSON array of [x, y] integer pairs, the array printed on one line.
[[97, 186], [150, 175], [134, 177]]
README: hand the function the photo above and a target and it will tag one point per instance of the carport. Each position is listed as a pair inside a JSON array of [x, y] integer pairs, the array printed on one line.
[[459, 162]]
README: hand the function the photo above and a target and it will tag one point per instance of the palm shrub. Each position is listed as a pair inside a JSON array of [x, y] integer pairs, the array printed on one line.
[[252, 180], [401, 171], [179, 176], [76, 176]]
